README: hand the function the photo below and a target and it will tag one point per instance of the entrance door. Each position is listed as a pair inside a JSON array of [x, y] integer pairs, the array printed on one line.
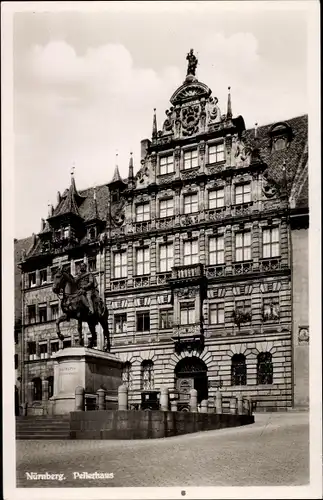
[[192, 373]]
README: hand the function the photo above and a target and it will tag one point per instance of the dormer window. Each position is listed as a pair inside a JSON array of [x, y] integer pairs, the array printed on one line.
[[281, 135], [66, 232], [92, 233]]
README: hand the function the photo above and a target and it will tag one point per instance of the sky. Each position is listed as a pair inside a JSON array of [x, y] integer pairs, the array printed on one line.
[[86, 83]]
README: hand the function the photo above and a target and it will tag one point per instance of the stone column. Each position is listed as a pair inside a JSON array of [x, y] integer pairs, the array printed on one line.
[[30, 392], [122, 398], [173, 405], [193, 400], [164, 399], [79, 399], [240, 404], [218, 402], [44, 390], [204, 406], [233, 405], [101, 399]]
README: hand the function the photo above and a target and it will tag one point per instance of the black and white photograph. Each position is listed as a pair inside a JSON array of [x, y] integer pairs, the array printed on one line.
[[161, 250]]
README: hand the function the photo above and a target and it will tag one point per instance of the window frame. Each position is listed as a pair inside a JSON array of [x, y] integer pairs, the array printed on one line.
[[123, 266], [216, 307], [123, 317], [216, 251], [43, 281], [168, 261], [191, 204], [219, 151], [242, 380], [262, 375], [31, 307], [147, 366], [187, 309], [32, 279], [143, 216], [145, 263], [190, 159], [273, 301], [41, 310], [244, 194], [243, 248], [166, 164], [167, 208], [271, 243], [216, 198], [168, 322], [145, 320], [190, 256]]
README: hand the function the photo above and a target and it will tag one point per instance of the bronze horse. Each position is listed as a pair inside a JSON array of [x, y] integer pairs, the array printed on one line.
[[73, 307]]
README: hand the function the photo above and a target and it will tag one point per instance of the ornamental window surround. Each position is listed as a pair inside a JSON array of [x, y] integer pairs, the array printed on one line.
[[166, 164], [270, 242], [216, 153], [238, 370], [190, 252], [216, 198], [166, 257], [166, 208], [270, 308], [187, 313], [243, 246], [165, 319], [216, 250], [120, 323], [242, 193], [142, 212], [216, 313], [142, 261], [190, 159], [264, 368], [190, 203], [147, 375], [42, 313], [143, 321], [127, 376], [120, 264]]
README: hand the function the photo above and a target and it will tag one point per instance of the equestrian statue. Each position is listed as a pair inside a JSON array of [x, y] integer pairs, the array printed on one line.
[[80, 300]]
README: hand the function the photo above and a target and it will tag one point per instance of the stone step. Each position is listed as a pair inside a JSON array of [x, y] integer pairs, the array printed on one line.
[[36, 437]]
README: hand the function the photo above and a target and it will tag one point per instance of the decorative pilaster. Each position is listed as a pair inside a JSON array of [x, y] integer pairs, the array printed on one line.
[[228, 245]]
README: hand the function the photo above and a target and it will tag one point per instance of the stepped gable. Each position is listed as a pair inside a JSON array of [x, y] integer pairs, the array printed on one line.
[[294, 131]]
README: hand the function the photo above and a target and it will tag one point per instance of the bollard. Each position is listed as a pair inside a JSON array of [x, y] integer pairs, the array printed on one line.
[[233, 405], [79, 398], [122, 398], [211, 405], [249, 400], [101, 399], [218, 402], [193, 400], [173, 405], [240, 404], [204, 406], [164, 399]]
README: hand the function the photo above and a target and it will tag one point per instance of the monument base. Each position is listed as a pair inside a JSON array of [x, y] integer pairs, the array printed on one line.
[[88, 368]]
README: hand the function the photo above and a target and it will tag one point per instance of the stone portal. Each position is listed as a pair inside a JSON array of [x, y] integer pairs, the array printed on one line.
[[88, 368]]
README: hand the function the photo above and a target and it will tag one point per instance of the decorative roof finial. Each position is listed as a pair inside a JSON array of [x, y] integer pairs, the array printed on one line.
[[154, 125], [256, 130], [229, 110], [94, 193], [116, 176], [72, 170], [130, 175], [192, 63]]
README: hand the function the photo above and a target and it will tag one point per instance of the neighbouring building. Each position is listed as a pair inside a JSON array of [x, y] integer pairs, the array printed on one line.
[[201, 256]]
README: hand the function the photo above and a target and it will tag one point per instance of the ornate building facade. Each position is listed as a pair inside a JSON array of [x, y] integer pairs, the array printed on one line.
[[201, 256]]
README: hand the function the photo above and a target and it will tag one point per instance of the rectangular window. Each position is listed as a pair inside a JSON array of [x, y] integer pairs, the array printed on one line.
[[190, 159], [43, 276], [31, 350], [120, 264], [67, 343], [43, 350], [216, 198], [54, 346], [77, 265], [165, 319], [66, 232], [191, 252], [216, 250], [120, 323], [243, 246], [166, 164], [32, 279], [216, 153], [243, 310], [216, 313], [143, 261], [142, 212], [166, 208], [166, 258], [92, 264], [190, 203], [32, 314], [53, 272], [270, 242], [143, 322], [188, 313], [271, 308], [43, 314], [242, 194], [54, 311]]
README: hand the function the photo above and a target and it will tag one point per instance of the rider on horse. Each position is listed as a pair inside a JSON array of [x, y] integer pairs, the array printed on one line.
[[87, 288]]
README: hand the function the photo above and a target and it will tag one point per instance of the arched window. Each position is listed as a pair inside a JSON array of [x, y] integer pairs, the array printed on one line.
[[147, 375], [50, 381], [127, 375], [264, 368], [37, 389], [238, 370]]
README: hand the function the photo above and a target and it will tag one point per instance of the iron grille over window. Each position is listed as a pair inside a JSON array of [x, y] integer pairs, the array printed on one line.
[[270, 242], [264, 368], [271, 308], [127, 375], [238, 370], [143, 322], [147, 375]]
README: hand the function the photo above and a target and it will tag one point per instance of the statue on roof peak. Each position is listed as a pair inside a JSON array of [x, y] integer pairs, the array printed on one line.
[[192, 63]]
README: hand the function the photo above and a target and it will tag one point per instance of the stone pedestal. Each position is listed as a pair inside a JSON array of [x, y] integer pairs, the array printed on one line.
[[88, 368]]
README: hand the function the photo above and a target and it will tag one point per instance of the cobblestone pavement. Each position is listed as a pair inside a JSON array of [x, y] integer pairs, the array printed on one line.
[[273, 451]]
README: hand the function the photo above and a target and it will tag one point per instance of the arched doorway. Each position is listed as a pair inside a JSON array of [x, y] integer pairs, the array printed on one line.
[[191, 373]]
